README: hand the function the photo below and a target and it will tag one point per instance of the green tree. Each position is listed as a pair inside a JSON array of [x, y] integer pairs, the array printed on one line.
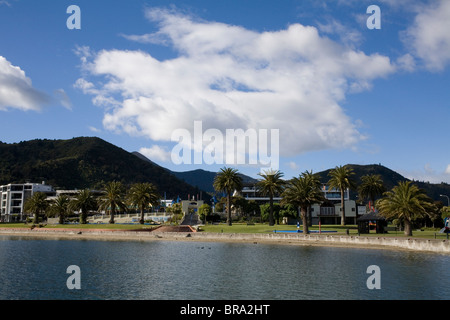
[[289, 211], [143, 196], [251, 208], [405, 202], [228, 180], [177, 212], [239, 204], [265, 211], [83, 202], [112, 199], [302, 192], [36, 205], [445, 212], [220, 206], [204, 211], [271, 184], [60, 207], [371, 187], [341, 180], [316, 180]]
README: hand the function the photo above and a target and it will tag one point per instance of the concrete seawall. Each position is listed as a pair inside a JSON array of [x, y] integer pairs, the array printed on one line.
[[425, 245], [439, 246]]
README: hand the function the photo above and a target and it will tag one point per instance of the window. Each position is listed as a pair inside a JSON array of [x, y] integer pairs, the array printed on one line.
[[16, 203], [327, 211]]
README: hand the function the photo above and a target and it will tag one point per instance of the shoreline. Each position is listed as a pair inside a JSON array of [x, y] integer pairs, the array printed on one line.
[[343, 241]]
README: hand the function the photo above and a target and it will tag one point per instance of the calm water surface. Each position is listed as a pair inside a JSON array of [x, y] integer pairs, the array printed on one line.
[[128, 270]]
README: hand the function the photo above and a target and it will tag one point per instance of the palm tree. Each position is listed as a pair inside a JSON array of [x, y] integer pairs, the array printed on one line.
[[271, 184], [316, 180], [84, 201], [341, 179], [36, 205], [371, 186], [143, 195], [405, 202], [60, 207], [302, 192], [227, 181], [112, 199]]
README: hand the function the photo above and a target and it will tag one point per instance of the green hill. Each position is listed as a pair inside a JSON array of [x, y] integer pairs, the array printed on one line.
[[390, 179], [84, 162], [89, 162]]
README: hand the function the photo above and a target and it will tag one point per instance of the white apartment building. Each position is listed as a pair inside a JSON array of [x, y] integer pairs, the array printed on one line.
[[13, 197]]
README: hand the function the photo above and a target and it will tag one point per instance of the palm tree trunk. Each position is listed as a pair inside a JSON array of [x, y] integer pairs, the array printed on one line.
[[342, 208], [61, 218], [83, 217], [36, 217], [229, 209], [271, 221], [304, 211], [113, 211], [408, 228], [141, 221]]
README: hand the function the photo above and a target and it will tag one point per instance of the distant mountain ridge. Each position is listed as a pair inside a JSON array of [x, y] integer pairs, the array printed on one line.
[[200, 178], [84, 162], [390, 179], [89, 162]]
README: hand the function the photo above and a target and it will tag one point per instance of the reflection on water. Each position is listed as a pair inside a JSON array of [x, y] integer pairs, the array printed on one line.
[[36, 269]]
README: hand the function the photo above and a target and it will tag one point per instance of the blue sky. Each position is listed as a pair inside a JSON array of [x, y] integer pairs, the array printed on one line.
[[136, 71]]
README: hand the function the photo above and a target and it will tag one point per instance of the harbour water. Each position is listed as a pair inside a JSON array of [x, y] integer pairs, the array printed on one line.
[[36, 269]]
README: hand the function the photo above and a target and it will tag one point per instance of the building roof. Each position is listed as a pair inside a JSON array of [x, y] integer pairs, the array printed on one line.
[[371, 216]]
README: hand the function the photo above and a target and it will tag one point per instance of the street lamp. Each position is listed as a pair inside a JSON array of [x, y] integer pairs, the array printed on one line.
[[448, 199]]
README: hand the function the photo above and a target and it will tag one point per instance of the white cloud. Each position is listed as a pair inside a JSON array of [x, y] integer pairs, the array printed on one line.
[[156, 153], [406, 63], [347, 35], [230, 77], [429, 36], [63, 98], [429, 174], [293, 165], [447, 170], [16, 90], [94, 129], [6, 3]]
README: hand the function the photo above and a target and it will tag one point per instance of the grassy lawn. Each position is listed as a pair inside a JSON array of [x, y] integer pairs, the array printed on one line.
[[265, 228], [244, 228], [81, 226], [340, 230]]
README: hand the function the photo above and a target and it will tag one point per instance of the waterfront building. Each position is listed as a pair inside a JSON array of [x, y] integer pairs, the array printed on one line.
[[328, 212], [14, 196]]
